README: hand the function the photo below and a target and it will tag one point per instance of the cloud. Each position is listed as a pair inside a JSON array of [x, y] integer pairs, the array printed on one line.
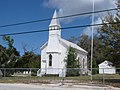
[[69, 7], [87, 31]]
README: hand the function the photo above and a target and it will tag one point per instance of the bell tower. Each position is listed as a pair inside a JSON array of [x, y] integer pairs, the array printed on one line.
[[54, 27], [54, 35]]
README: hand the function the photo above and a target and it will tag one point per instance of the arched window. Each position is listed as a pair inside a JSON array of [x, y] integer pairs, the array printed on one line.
[[50, 60], [83, 63]]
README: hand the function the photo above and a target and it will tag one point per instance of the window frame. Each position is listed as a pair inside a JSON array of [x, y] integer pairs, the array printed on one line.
[[50, 60]]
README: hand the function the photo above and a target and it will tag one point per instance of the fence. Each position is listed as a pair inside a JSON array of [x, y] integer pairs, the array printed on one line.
[[70, 75]]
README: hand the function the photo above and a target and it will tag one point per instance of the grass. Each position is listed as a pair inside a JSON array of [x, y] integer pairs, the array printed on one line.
[[113, 80], [28, 79]]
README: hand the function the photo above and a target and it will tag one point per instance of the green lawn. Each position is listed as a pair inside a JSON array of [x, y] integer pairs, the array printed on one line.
[[97, 79]]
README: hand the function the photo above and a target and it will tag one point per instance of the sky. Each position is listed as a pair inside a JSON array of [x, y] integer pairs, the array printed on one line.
[[16, 11]]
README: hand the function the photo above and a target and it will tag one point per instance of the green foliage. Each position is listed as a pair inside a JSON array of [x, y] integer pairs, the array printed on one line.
[[95, 67], [9, 55], [110, 36], [73, 39], [85, 43], [106, 43], [72, 62], [28, 60], [9, 41], [3, 58]]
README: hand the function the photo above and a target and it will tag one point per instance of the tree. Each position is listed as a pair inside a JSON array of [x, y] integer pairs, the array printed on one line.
[[97, 52], [110, 36], [9, 41], [85, 43], [106, 43], [73, 39], [29, 60], [94, 66], [10, 53], [118, 3], [3, 58], [72, 62]]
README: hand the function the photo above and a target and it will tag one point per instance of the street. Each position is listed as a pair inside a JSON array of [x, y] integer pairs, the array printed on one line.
[[5, 86], [32, 87]]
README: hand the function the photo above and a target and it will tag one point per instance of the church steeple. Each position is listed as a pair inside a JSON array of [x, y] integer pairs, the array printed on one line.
[[54, 21], [54, 27], [54, 35]]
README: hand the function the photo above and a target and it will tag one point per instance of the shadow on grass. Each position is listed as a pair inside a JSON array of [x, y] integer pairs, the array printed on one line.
[[112, 81]]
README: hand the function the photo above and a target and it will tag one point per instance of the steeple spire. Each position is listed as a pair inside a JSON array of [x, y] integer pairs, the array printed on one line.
[[55, 20], [54, 35]]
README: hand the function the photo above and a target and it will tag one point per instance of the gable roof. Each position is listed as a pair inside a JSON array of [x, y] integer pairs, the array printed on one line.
[[108, 63], [68, 44]]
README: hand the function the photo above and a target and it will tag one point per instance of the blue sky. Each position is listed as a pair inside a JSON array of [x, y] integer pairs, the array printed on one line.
[[15, 11]]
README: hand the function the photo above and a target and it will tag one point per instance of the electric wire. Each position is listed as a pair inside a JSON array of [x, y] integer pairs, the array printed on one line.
[[64, 28], [42, 20]]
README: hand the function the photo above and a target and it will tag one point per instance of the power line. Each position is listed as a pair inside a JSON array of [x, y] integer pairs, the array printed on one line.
[[42, 20], [64, 28]]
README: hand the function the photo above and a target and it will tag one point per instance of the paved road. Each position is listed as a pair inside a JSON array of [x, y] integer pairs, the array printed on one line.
[[49, 87], [32, 87]]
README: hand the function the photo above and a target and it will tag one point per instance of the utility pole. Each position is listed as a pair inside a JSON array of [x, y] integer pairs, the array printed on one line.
[[93, 6]]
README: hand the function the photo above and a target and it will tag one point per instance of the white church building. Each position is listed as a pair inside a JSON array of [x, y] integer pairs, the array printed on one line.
[[54, 51]]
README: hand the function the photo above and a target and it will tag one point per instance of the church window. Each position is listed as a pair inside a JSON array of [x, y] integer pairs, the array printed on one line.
[[50, 60], [83, 63]]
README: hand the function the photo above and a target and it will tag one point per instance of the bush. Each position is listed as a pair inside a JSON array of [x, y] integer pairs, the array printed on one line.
[[73, 72]]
